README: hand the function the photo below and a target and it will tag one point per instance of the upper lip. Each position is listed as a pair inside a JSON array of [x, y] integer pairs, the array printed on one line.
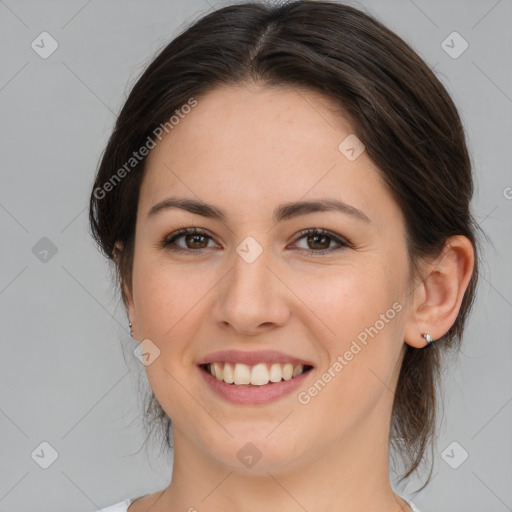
[[252, 357]]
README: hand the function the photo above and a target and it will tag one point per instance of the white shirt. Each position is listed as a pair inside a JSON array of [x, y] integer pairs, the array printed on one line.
[[123, 505]]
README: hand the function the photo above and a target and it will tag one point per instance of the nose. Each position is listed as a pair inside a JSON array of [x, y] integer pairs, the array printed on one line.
[[252, 299]]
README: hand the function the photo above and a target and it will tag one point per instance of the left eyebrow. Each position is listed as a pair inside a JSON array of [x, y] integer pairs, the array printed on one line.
[[284, 211], [288, 211]]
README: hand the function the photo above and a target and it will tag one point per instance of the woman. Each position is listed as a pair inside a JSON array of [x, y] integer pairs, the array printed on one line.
[[285, 197]]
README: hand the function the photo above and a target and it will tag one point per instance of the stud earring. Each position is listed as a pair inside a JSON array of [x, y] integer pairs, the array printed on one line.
[[130, 326], [428, 339]]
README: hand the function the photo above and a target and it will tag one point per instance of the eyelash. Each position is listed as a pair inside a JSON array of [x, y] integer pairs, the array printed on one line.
[[170, 240]]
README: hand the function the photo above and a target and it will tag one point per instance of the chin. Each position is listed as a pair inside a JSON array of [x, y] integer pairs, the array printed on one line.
[[256, 453]]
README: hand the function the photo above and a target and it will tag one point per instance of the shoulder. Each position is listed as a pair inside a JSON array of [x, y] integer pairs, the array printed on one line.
[[412, 505], [122, 506], [414, 508]]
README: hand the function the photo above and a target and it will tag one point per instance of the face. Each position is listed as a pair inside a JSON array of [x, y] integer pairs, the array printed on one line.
[[257, 294]]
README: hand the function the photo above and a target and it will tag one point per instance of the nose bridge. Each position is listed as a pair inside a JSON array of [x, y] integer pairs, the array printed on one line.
[[250, 276], [250, 295]]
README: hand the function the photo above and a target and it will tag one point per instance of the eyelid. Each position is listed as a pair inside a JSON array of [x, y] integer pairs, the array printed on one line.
[[342, 243], [169, 240], [320, 231]]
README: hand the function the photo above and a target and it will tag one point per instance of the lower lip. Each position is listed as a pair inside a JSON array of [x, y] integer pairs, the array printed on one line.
[[253, 394]]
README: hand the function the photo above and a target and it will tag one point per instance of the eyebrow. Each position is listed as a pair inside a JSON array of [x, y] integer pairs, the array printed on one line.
[[285, 211]]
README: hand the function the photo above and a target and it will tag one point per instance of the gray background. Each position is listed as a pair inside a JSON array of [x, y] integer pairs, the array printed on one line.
[[68, 376]]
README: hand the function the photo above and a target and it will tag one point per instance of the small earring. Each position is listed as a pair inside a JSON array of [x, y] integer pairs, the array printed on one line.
[[130, 326], [427, 337]]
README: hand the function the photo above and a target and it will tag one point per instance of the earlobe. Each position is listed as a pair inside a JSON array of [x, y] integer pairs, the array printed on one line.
[[437, 299], [130, 309], [117, 251], [127, 295]]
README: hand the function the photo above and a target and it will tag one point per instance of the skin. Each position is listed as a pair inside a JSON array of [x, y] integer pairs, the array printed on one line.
[[246, 149]]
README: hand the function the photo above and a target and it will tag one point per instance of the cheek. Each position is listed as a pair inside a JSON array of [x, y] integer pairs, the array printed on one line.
[[362, 310], [359, 376], [165, 297], [345, 299]]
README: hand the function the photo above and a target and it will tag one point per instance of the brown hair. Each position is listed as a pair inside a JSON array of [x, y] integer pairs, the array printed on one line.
[[398, 108]]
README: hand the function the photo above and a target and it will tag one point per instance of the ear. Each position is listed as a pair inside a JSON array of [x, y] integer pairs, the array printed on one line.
[[117, 252], [437, 299]]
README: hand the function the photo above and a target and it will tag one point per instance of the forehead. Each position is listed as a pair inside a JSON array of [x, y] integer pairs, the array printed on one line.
[[237, 122], [259, 145]]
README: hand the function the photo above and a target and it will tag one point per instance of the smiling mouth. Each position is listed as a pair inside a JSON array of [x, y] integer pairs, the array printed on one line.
[[260, 374]]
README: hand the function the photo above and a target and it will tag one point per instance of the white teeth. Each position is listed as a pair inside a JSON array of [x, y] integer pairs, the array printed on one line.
[[276, 373], [217, 371], [287, 371], [242, 374], [228, 374], [257, 375], [297, 370]]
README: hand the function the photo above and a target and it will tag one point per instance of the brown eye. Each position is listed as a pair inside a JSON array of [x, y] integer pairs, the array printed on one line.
[[194, 240], [319, 241]]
